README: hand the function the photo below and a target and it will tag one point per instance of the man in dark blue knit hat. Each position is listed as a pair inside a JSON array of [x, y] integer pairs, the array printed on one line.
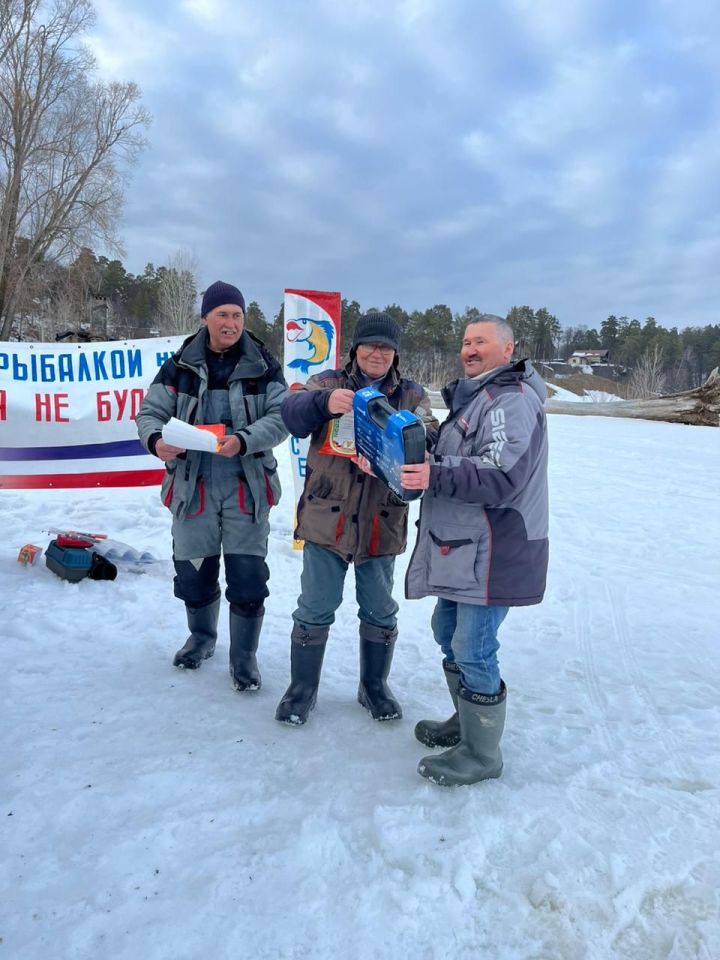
[[220, 501], [220, 293], [347, 516]]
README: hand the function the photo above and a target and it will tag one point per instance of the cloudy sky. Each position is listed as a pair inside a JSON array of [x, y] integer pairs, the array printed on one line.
[[558, 153]]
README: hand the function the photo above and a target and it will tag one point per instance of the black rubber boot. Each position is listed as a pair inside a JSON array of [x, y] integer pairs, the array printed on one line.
[[477, 757], [377, 645], [445, 733], [307, 650], [202, 622], [244, 638]]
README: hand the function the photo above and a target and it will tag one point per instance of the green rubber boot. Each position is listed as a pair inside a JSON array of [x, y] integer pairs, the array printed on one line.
[[443, 733], [477, 757]]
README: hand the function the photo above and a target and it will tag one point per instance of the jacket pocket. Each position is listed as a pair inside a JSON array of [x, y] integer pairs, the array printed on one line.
[[321, 522], [453, 558], [245, 499], [167, 488], [272, 486], [196, 507], [322, 488], [388, 530]]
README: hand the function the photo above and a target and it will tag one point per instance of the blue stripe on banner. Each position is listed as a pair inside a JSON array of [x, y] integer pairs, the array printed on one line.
[[82, 451]]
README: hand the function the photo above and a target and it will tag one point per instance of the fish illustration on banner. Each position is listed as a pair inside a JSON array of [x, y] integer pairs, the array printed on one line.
[[311, 345], [318, 336]]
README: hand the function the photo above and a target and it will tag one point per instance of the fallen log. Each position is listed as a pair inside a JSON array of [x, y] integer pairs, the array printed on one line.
[[698, 407]]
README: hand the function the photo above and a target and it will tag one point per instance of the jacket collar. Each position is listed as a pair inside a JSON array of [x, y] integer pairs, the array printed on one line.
[[250, 366], [460, 392]]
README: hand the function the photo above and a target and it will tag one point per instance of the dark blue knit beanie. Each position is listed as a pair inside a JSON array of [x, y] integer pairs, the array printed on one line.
[[219, 293]]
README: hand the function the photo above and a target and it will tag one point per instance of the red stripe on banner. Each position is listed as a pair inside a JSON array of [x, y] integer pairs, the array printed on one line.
[[68, 481]]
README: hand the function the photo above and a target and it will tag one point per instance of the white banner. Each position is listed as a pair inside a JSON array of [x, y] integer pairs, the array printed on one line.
[[312, 344], [67, 412]]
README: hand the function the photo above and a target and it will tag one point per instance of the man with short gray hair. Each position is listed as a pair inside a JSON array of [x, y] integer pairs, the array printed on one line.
[[482, 544]]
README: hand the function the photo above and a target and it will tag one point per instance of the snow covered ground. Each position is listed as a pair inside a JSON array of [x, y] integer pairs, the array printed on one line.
[[149, 813]]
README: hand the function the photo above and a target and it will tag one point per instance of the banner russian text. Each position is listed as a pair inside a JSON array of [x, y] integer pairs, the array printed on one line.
[[67, 413]]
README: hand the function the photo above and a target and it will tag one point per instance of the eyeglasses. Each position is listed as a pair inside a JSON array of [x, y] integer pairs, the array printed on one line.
[[382, 348]]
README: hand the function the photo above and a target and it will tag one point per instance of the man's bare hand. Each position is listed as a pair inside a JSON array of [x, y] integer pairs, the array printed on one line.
[[340, 401], [229, 446], [166, 451], [415, 476], [363, 464]]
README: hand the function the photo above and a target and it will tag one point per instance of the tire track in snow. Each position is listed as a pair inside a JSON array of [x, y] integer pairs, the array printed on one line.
[[616, 602], [594, 691], [586, 800], [698, 580]]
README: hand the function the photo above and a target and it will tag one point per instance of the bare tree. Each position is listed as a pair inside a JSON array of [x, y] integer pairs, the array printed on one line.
[[64, 142], [432, 368], [13, 17], [648, 376], [178, 294]]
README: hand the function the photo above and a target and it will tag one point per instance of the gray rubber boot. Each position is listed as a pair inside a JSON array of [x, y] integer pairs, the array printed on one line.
[[307, 649], [202, 623], [244, 638], [443, 733], [477, 757], [377, 645]]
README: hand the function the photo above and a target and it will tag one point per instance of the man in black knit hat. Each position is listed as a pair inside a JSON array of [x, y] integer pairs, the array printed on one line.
[[221, 501], [346, 515]]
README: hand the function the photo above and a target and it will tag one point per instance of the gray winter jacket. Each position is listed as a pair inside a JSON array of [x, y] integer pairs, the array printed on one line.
[[256, 388], [483, 529]]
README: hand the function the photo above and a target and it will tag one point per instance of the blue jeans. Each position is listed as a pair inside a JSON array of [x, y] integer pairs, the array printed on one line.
[[322, 581], [467, 634]]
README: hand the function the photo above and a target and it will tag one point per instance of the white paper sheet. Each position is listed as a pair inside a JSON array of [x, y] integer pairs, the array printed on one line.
[[184, 435]]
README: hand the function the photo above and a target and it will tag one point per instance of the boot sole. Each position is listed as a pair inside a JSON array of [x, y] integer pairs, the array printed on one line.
[[247, 687], [442, 782]]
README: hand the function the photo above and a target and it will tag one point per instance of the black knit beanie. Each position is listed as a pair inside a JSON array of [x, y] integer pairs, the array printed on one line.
[[219, 293], [377, 328]]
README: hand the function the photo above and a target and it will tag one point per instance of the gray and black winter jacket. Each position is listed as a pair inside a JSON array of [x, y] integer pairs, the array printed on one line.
[[483, 529], [256, 388]]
